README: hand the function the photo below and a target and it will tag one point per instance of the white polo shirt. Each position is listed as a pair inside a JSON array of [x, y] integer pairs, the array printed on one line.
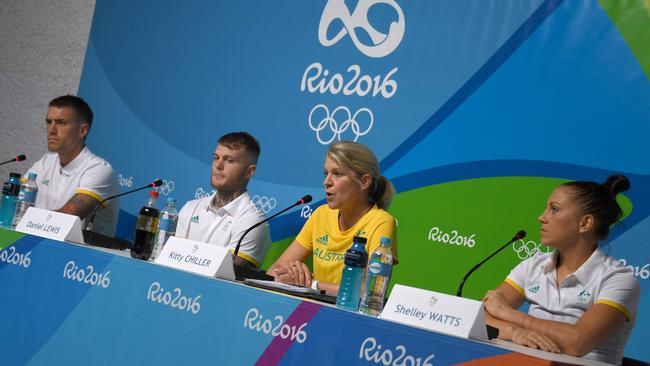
[[88, 174], [199, 220], [600, 280]]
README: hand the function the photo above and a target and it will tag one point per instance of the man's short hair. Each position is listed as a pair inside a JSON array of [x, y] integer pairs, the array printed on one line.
[[82, 110], [239, 140]]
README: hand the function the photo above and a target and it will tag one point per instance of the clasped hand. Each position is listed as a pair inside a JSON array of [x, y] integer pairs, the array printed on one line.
[[293, 273]]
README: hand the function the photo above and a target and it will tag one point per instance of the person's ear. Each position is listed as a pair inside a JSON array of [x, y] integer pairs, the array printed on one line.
[[250, 171], [587, 223], [366, 181]]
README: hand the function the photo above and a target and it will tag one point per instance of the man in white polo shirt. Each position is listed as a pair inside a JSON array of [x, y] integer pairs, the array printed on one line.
[[70, 178], [222, 218]]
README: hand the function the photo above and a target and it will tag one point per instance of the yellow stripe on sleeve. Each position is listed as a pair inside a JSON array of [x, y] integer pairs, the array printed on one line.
[[246, 257], [515, 286], [92, 194], [616, 306]]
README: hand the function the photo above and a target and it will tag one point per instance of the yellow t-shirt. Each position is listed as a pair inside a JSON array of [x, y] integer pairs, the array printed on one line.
[[322, 236]]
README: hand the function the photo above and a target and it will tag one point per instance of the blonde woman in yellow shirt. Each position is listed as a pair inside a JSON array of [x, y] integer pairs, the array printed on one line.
[[357, 196]]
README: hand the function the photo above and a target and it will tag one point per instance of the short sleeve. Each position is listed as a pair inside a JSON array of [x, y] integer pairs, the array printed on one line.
[[184, 220], [620, 290], [255, 244], [98, 181], [517, 277]]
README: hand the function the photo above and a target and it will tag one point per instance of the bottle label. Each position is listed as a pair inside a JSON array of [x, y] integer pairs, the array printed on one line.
[[380, 269], [167, 223], [147, 223], [29, 196], [10, 188]]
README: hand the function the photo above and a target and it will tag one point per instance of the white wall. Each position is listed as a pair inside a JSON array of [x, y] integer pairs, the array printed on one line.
[[42, 49]]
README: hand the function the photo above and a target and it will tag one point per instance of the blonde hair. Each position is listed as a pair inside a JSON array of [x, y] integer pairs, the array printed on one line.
[[360, 160]]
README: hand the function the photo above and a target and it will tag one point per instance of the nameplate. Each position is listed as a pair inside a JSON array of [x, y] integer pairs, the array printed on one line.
[[52, 225], [436, 311], [196, 257]]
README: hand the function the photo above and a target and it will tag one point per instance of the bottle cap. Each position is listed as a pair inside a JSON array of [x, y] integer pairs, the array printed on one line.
[[171, 200], [14, 175], [360, 239], [32, 176], [384, 241], [153, 194]]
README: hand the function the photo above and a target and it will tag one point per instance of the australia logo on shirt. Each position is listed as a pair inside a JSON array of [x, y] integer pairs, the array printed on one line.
[[195, 219], [534, 289], [584, 296], [46, 182], [323, 239]]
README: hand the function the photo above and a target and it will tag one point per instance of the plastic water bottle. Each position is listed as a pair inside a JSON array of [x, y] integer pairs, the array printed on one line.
[[353, 273], [9, 197], [26, 197], [145, 228], [380, 268], [166, 227]]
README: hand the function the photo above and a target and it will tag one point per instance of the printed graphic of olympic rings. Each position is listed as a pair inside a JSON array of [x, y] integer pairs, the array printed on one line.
[[329, 123], [263, 204], [529, 249], [166, 188]]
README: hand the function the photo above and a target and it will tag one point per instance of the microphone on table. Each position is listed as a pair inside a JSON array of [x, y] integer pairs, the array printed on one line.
[[17, 158], [91, 237], [244, 272], [520, 235]]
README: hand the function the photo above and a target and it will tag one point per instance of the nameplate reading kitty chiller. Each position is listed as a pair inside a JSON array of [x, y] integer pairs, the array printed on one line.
[[196, 257], [51, 224], [436, 311]]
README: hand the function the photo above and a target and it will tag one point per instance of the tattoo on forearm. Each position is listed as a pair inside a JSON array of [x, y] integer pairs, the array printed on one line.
[[80, 205]]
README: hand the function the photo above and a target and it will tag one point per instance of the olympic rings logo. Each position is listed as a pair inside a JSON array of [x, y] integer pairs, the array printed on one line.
[[382, 44], [166, 188], [349, 122], [263, 204], [529, 249]]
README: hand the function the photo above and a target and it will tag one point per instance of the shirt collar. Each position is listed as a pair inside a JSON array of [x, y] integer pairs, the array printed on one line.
[[75, 164], [232, 207], [582, 274]]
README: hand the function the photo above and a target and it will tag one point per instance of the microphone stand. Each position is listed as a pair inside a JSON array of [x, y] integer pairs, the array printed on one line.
[[242, 272], [97, 239], [520, 235]]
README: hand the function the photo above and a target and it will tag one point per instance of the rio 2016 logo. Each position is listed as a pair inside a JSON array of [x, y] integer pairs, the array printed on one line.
[[277, 327], [263, 204], [337, 12], [11, 256], [166, 188], [528, 249], [175, 300], [641, 272], [348, 121], [373, 352], [86, 275], [452, 237]]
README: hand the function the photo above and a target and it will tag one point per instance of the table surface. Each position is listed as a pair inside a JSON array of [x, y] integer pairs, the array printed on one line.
[[69, 304]]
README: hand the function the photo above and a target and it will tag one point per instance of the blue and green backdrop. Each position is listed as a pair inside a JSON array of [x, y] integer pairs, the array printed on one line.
[[475, 109]]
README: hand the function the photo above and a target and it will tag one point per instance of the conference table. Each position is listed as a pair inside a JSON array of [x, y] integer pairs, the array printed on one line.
[[70, 304]]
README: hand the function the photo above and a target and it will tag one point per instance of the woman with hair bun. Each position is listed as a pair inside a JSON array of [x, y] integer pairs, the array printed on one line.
[[357, 196], [582, 302]]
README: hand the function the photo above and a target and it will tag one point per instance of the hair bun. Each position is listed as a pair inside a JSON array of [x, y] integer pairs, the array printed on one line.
[[617, 184]]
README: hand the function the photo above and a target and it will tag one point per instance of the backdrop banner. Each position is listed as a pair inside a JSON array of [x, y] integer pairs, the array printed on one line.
[[475, 109]]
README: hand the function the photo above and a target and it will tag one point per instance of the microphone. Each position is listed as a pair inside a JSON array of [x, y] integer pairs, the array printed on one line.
[[17, 158], [519, 235], [302, 201], [89, 225], [243, 272]]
